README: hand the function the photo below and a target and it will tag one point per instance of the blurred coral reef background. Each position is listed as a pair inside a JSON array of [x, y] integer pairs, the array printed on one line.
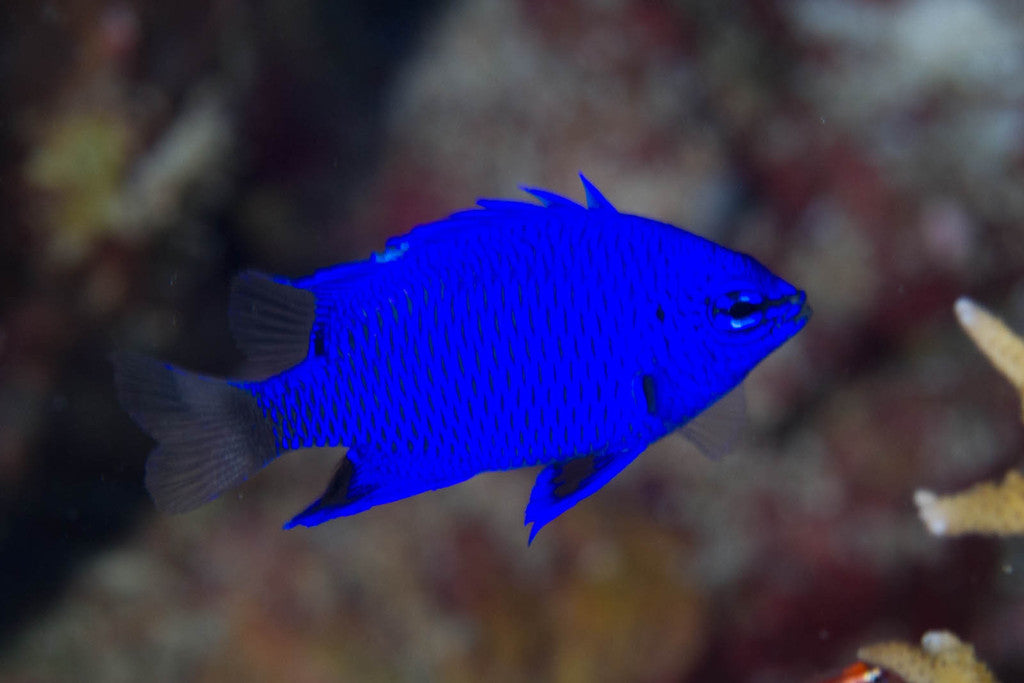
[[871, 152]]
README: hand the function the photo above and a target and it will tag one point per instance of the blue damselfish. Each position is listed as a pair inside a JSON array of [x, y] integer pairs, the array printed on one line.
[[510, 335]]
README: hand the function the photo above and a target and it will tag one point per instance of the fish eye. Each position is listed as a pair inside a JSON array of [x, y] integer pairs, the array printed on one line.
[[738, 310], [743, 309]]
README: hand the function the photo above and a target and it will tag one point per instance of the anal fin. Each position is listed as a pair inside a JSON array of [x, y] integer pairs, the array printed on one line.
[[559, 486]]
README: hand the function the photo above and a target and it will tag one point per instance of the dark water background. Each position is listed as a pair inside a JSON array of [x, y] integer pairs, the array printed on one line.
[[870, 152]]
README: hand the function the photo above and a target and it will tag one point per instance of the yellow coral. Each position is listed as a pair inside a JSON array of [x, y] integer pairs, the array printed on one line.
[[80, 161], [942, 658], [1002, 347], [985, 508]]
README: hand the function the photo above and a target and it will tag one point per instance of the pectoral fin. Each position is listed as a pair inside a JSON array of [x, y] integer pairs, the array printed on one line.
[[717, 430], [559, 486]]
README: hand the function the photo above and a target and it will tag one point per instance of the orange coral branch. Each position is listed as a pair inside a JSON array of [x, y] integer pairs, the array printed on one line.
[[942, 658]]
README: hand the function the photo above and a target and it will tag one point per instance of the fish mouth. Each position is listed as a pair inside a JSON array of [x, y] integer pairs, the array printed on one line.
[[791, 310]]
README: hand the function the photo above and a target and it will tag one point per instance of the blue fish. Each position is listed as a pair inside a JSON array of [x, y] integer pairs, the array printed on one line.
[[509, 335]]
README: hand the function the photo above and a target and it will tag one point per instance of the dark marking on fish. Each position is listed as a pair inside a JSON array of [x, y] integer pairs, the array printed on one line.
[[650, 394], [319, 341]]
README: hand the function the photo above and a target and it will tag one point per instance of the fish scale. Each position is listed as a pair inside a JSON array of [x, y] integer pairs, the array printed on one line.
[[507, 336], [458, 378]]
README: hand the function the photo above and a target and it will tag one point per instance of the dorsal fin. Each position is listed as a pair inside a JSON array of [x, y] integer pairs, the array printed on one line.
[[547, 199], [506, 205], [550, 199], [344, 275], [271, 321], [469, 223], [595, 200]]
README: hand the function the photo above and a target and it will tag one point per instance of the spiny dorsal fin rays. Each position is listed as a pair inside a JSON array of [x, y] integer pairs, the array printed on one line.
[[550, 199], [595, 200], [547, 199], [500, 205]]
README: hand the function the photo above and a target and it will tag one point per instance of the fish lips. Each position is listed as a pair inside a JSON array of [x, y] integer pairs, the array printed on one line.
[[789, 310]]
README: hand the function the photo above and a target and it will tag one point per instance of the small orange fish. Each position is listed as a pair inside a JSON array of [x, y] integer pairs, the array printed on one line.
[[859, 673]]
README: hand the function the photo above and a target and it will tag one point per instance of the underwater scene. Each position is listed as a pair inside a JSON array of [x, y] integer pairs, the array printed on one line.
[[512, 340]]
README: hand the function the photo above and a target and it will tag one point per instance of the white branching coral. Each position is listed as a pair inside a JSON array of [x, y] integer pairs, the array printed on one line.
[[986, 508]]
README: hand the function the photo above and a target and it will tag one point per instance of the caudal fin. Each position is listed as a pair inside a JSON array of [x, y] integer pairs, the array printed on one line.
[[212, 435]]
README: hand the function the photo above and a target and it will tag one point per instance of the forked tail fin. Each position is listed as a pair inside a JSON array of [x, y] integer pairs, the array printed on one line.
[[212, 435]]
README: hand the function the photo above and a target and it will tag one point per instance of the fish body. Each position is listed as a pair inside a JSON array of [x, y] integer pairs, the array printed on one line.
[[511, 335]]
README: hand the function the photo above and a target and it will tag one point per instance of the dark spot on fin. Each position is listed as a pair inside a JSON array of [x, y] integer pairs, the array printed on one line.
[[340, 492], [660, 313], [212, 435], [571, 476], [595, 200], [354, 487], [271, 321], [559, 486], [650, 394], [337, 492]]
